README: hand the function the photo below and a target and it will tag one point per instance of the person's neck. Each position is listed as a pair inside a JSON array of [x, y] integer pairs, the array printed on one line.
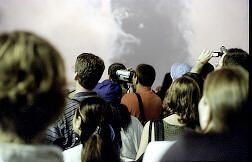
[[79, 88], [173, 120], [10, 137], [140, 86]]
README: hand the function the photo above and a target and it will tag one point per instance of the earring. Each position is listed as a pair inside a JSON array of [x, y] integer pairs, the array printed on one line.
[[76, 137]]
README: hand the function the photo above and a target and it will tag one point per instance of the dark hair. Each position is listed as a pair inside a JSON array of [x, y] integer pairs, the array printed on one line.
[[112, 70], [165, 85], [198, 79], [182, 98], [146, 74], [97, 133], [32, 84], [206, 69], [236, 56], [89, 68], [121, 115], [120, 120]]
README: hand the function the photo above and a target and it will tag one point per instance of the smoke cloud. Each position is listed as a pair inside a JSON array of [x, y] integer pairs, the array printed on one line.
[[157, 32]]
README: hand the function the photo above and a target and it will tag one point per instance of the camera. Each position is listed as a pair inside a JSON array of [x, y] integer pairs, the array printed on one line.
[[218, 54], [125, 75]]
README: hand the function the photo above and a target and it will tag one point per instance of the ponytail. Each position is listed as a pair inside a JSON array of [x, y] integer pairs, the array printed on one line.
[[99, 147]]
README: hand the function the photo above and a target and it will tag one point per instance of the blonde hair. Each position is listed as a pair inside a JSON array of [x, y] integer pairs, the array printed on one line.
[[226, 91], [32, 81]]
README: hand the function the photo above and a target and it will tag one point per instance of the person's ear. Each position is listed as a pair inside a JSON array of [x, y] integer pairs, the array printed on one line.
[[136, 79], [75, 76], [204, 113], [77, 124]]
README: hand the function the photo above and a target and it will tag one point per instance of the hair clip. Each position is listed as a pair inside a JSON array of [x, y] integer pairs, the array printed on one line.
[[112, 132], [98, 130]]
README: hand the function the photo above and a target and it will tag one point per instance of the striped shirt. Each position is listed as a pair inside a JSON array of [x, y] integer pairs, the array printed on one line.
[[61, 132]]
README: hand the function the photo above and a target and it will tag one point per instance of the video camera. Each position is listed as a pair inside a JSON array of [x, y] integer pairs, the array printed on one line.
[[125, 75], [218, 54]]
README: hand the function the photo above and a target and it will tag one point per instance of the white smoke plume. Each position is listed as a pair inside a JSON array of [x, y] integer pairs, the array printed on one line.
[[74, 26], [158, 32]]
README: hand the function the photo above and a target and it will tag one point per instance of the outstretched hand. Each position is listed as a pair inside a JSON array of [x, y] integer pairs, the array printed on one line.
[[205, 56]]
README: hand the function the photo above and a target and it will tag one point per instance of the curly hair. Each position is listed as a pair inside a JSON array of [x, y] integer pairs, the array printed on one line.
[[182, 98], [32, 84], [89, 68]]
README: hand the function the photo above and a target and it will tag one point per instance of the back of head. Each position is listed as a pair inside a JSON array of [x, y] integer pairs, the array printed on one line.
[[236, 56], [112, 70], [198, 78], [32, 84], [182, 98], [110, 91], [206, 69], [121, 116], [226, 92], [146, 74], [97, 136], [178, 69], [89, 69], [165, 85]]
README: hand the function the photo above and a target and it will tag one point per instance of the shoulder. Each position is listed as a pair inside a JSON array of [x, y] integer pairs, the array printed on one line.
[[35, 153], [151, 153], [135, 122], [129, 96], [73, 154]]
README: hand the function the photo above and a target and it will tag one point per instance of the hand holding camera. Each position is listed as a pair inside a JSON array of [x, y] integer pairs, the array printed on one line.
[[223, 50], [205, 56], [127, 77]]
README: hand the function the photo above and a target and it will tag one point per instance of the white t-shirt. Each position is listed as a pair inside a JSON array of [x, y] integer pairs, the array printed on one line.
[[11, 152], [155, 150], [131, 140], [73, 154]]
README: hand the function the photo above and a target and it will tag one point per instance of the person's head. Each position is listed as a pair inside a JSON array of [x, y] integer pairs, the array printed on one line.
[[206, 69], [92, 123], [165, 85], [198, 78], [89, 69], [182, 98], [111, 91], [121, 119], [121, 116], [145, 75], [224, 103], [112, 70], [178, 69], [32, 84], [233, 57]]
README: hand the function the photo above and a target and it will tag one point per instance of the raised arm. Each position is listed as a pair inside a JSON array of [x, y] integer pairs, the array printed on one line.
[[203, 58]]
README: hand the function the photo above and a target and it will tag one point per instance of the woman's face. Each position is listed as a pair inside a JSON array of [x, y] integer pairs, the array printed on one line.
[[77, 124], [204, 113]]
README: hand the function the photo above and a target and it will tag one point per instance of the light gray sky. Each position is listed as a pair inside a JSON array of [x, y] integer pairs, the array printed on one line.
[[157, 32]]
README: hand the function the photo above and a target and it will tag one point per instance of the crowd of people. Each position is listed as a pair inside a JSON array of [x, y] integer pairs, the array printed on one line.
[[199, 113]]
